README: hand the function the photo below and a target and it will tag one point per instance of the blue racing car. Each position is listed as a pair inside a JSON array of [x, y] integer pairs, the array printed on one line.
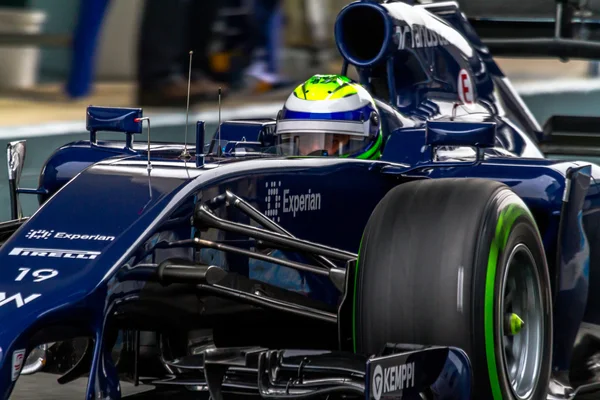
[[402, 235]]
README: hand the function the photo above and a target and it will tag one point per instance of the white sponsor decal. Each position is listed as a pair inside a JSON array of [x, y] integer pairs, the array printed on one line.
[[392, 379], [377, 386], [399, 377], [55, 253], [273, 200], [281, 201], [417, 37], [45, 234], [18, 359], [39, 275], [294, 203], [17, 298], [38, 234], [465, 87]]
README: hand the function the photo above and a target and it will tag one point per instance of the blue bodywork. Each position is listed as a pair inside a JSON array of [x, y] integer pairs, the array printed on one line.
[[102, 210]]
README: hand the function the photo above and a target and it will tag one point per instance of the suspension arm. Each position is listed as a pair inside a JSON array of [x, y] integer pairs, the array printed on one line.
[[204, 217], [257, 216]]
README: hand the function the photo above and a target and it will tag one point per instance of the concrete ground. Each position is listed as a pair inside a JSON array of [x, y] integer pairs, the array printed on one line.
[[46, 103], [30, 387]]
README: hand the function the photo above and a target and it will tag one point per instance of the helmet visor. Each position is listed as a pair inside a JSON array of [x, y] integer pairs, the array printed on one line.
[[320, 144]]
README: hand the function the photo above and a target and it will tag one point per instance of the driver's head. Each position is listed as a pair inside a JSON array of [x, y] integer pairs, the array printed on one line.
[[330, 115]]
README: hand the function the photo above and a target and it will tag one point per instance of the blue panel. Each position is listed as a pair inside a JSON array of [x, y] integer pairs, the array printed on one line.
[[446, 133], [77, 293], [237, 131], [243, 130], [114, 119], [407, 146]]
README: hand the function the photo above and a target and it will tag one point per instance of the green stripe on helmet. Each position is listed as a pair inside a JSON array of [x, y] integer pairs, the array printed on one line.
[[374, 153], [326, 87]]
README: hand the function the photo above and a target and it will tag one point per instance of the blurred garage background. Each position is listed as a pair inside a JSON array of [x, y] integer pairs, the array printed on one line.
[[60, 55]]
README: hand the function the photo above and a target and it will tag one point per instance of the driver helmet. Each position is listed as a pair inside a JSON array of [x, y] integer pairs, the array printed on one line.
[[332, 116]]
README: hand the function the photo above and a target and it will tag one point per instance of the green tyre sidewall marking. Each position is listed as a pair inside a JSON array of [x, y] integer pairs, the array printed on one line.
[[355, 298], [505, 222]]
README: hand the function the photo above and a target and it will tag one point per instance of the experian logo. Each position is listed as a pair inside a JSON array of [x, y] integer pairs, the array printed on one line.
[[301, 202], [44, 234], [55, 253], [279, 201]]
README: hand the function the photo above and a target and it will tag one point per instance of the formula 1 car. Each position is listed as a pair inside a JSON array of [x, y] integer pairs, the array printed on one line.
[[460, 264]]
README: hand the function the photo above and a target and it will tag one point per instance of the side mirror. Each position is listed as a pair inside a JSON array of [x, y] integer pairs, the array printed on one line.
[[15, 153], [471, 134]]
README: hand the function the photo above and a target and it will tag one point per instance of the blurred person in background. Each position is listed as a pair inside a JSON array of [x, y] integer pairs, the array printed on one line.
[[317, 15], [233, 41], [269, 18], [265, 68], [248, 44], [169, 30]]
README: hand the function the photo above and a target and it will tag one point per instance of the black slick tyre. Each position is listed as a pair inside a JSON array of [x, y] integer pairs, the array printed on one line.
[[459, 262]]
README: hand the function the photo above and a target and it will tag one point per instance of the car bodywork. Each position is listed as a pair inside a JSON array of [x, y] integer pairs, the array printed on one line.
[[119, 220]]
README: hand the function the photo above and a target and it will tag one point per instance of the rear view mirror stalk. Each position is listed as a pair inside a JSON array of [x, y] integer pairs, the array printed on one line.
[[15, 152]]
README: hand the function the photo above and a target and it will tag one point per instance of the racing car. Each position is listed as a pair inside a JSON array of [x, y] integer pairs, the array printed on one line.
[[457, 261]]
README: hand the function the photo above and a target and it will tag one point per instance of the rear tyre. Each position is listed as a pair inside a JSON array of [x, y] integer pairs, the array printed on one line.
[[459, 262]]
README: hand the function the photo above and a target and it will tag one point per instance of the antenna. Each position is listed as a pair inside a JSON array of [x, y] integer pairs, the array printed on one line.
[[219, 136], [185, 153], [454, 107]]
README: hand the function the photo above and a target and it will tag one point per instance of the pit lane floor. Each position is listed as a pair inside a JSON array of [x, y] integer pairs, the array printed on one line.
[[44, 386]]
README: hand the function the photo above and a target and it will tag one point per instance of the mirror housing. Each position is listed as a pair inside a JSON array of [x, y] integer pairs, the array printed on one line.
[[450, 133], [114, 119], [15, 156]]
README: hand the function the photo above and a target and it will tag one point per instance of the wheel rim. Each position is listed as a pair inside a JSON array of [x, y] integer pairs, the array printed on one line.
[[522, 302]]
